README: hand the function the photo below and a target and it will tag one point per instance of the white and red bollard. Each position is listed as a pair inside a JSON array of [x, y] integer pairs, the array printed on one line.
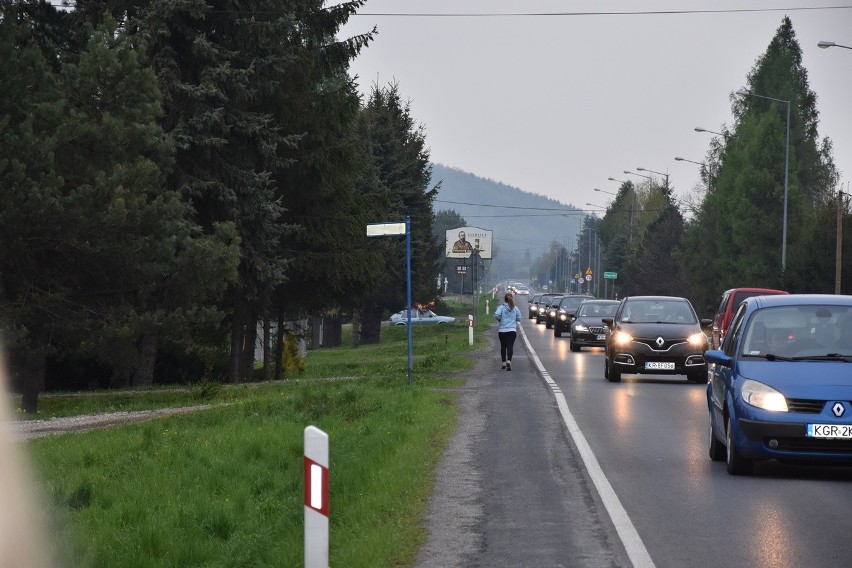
[[316, 498], [470, 329]]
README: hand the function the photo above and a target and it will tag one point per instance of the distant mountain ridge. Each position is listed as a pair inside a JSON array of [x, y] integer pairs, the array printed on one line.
[[521, 221]]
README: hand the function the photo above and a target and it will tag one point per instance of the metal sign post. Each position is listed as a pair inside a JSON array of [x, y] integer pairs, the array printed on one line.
[[391, 230]]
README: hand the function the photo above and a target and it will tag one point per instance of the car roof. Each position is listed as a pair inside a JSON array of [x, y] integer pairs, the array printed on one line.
[[601, 301], [799, 300], [764, 290], [654, 298]]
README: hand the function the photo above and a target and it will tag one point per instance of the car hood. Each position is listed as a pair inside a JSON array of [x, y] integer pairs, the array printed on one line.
[[802, 379], [596, 322], [664, 330]]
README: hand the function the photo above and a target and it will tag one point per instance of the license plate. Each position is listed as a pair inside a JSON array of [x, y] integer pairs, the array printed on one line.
[[837, 431], [660, 365], [601, 337]]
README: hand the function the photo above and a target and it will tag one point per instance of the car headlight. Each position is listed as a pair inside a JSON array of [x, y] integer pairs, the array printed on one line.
[[763, 396], [580, 327], [533, 309], [563, 317], [621, 338], [697, 339], [552, 314]]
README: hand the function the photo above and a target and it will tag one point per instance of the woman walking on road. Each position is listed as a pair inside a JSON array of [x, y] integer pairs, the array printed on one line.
[[509, 317]]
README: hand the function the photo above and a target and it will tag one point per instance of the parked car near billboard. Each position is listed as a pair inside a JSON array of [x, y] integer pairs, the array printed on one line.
[[424, 317]]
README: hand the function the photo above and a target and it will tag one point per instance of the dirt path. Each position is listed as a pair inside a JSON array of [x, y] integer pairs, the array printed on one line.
[[29, 429]]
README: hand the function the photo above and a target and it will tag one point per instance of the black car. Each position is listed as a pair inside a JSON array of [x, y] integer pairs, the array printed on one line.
[[565, 311], [660, 335], [550, 313], [533, 307], [543, 305], [587, 327]]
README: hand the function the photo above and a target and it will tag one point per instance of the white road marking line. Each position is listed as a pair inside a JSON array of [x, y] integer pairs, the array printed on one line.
[[633, 544]]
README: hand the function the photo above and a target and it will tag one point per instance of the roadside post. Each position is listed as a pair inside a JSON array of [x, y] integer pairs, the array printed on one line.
[[470, 329], [391, 230], [316, 498]]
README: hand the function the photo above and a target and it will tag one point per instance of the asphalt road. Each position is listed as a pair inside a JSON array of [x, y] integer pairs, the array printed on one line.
[[516, 488]]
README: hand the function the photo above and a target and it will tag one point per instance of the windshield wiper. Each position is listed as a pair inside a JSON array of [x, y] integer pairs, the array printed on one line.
[[826, 357]]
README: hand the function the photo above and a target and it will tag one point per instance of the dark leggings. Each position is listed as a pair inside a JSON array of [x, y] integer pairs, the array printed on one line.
[[507, 343]]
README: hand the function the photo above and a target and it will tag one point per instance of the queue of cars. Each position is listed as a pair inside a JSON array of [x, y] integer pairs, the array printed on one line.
[[777, 366]]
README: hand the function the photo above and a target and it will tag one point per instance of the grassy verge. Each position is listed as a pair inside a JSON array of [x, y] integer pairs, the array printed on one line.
[[223, 487]]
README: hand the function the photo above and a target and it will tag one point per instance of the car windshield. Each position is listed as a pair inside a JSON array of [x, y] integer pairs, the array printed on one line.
[[658, 311], [799, 331], [571, 302], [593, 310]]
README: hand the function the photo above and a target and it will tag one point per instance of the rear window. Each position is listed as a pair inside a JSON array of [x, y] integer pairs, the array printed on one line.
[[741, 297]]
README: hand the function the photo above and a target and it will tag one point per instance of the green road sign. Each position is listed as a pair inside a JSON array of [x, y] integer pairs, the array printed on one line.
[[610, 275]]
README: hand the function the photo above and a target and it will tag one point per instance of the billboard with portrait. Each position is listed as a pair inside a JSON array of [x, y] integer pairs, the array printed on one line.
[[461, 242]]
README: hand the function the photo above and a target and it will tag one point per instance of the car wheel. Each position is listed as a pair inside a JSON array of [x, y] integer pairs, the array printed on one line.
[[717, 449], [737, 463], [574, 347], [547, 324], [611, 374], [556, 332]]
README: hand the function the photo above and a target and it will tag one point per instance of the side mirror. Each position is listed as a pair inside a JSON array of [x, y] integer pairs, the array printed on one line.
[[608, 322], [719, 357], [706, 323]]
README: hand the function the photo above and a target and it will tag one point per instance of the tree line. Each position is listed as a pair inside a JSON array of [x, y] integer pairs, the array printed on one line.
[[179, 176], [731, 233]]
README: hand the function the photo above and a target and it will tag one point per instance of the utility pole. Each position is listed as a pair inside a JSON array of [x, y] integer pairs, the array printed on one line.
[[838, 249]]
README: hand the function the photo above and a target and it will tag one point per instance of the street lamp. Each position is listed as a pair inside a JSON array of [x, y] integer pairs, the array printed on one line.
[[659, 174], [786, 174], [827, 44], [699, 129], [640, 175], [595, 205], [709, 169], [604, 191], [618, 180]]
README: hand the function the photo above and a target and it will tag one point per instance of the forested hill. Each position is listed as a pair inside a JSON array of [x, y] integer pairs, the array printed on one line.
[[516, 230]]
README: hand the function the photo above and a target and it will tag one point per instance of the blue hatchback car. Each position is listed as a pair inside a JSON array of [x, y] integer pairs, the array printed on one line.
[[780, 385]]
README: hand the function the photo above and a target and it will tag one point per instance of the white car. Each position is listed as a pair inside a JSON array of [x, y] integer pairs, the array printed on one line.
[[522, 291], [421, 317]]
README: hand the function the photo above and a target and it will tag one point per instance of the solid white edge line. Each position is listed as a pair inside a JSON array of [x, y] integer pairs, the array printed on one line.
[[633, 544]]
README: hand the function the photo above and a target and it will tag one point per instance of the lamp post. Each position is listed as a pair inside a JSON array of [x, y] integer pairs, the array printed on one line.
[[786, 175], [838, 251], [699, 129], [827, 44], [659, 174], [640, 175], [705, 164]]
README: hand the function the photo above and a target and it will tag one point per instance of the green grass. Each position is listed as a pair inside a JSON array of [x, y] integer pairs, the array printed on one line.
[[223, 487]]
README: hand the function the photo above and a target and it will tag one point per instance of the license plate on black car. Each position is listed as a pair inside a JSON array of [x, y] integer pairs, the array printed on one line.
[[660, 365]]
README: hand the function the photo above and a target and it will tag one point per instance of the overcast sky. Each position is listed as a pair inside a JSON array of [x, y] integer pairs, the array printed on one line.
[[556, 104]]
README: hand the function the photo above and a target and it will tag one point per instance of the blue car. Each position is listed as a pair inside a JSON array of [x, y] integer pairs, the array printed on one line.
[[780, 385]]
